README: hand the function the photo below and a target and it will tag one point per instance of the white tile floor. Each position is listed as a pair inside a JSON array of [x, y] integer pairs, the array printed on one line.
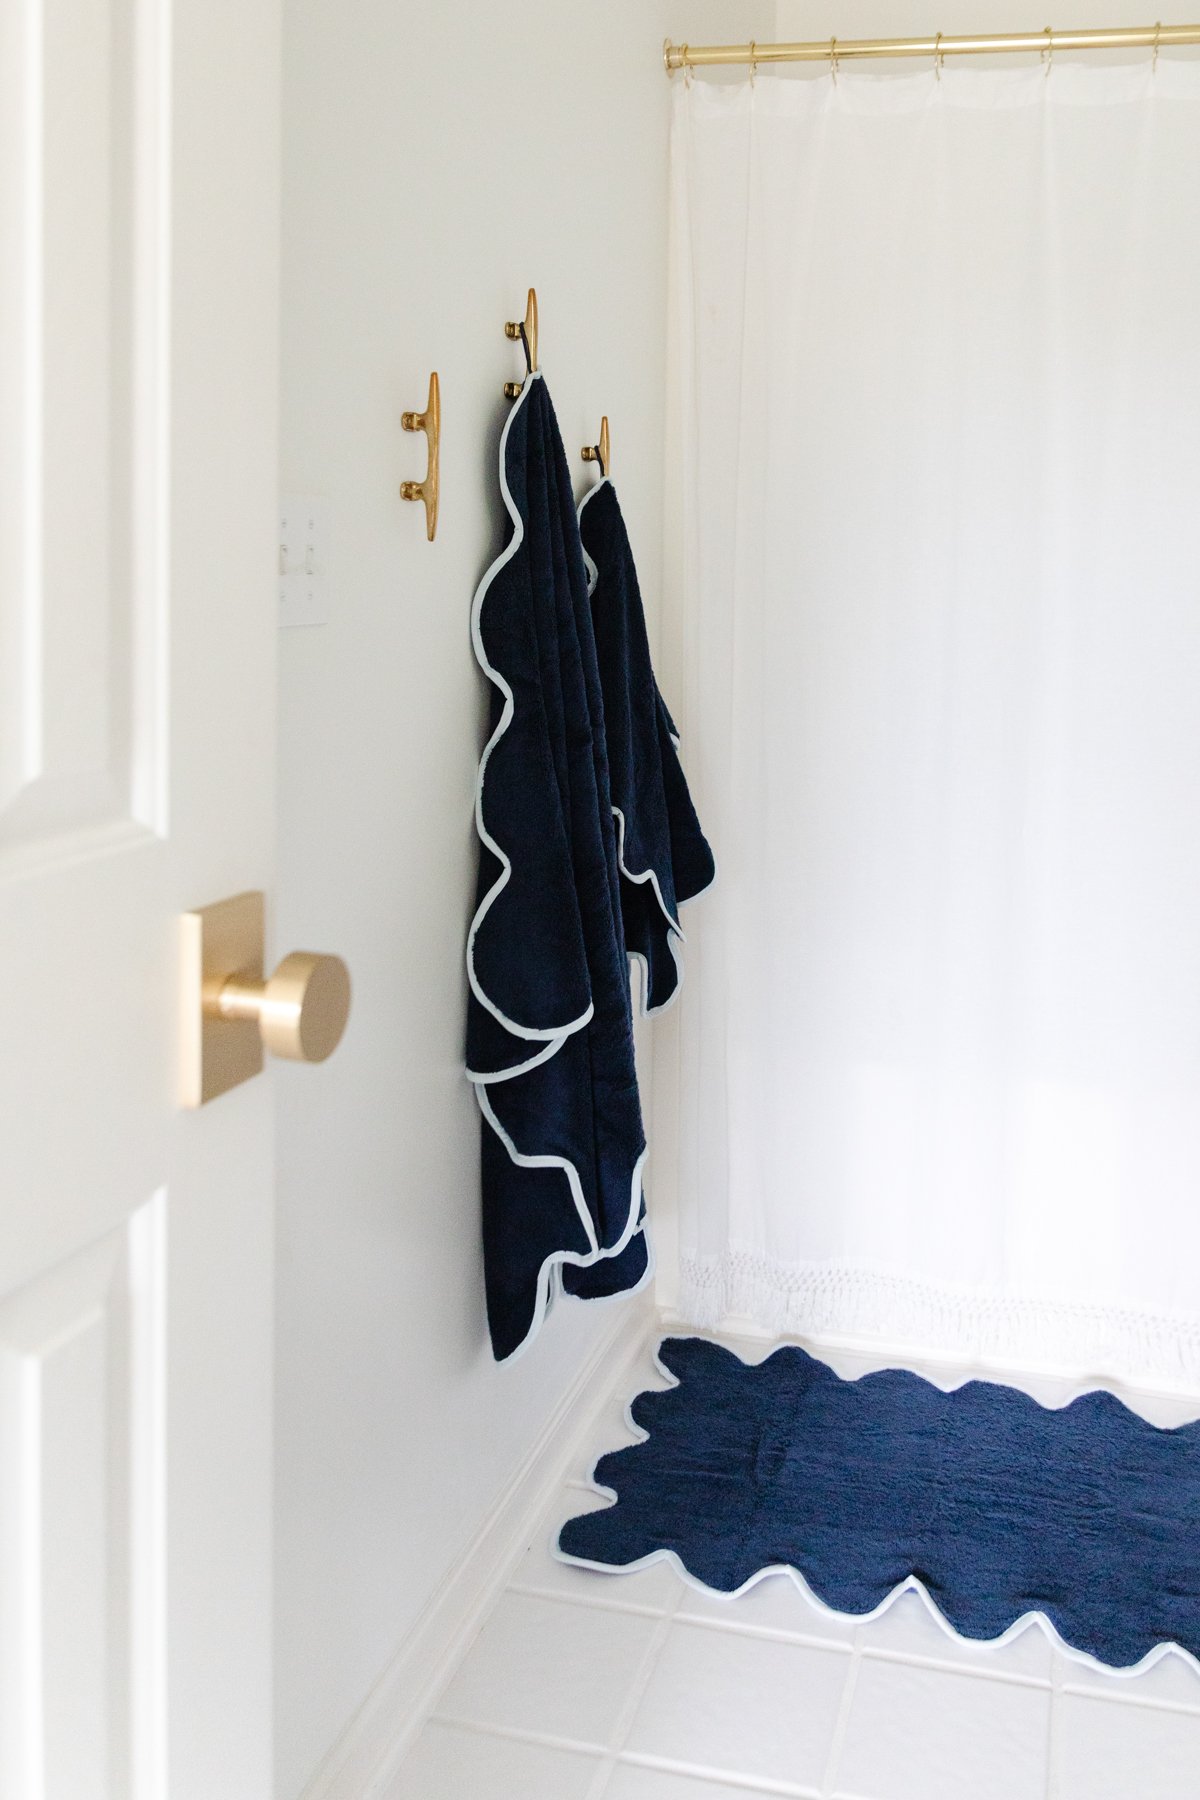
[[586, 1686]]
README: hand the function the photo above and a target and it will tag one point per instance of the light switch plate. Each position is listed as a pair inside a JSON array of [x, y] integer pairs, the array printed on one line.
[[303, 560]]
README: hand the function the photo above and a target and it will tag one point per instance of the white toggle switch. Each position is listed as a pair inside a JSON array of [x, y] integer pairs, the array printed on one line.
[[303, 560]]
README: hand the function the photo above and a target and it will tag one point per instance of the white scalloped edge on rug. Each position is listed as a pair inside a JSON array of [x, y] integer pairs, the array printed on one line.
[[911, 1584]]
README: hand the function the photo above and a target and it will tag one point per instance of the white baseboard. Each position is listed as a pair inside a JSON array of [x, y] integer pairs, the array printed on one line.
[[371, 1748]]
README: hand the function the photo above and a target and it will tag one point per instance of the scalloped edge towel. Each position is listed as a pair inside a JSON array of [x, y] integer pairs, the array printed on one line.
[[549, 1018]]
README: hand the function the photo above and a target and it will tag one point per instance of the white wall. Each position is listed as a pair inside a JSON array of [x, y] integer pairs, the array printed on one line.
[[437, 160]]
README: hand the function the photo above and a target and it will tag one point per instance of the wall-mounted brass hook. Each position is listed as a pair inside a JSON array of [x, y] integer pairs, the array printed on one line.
[[599, 452], [528, 332], [430, 422]]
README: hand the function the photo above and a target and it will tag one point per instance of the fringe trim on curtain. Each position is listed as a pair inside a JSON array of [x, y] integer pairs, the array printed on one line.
[[838, 1300]]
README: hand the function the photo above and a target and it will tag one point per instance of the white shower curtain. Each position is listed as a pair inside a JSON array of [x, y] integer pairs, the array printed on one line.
[[936, 1069]]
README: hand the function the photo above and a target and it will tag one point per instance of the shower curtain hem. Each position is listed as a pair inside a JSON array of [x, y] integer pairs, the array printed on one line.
[[842, 1300]]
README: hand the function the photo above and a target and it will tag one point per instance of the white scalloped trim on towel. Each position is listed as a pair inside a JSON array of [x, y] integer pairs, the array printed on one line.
[[675, 932], [911, 1584], [643, 1281], [538, 1032], [840, 1300], [551, 1037], [546, 1284], [550, 1048]]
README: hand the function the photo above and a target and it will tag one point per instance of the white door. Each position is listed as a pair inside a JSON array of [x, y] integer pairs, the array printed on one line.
[[138, 225]]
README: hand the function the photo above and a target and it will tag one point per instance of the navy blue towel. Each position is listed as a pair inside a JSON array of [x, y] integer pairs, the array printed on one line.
[[664, 857], [550, 1026], [998, 1507]]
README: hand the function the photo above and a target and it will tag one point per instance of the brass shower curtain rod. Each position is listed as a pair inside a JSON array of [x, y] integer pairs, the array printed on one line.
[[1130, 37]]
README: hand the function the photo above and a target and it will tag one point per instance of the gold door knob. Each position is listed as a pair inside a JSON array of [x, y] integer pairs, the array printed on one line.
[[232, 1011], [301, 1010]]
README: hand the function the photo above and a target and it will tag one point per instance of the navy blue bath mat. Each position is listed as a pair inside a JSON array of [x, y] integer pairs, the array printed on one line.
[[998, 1507]]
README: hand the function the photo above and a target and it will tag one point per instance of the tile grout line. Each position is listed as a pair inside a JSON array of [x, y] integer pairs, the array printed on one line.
[[608, 1759], [641, 1609], [623, 1724], [517, 1734], [837, 1742], [1052, 1724], [1184, 1707], [737, 1781], [1059, 1680], [548, 1740], [705, 1621], [920, 1659], [775, 1634]]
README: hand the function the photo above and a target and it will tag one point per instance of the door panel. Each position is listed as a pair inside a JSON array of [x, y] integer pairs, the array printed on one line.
[[85, 180], [138, 354], [81, 1380]]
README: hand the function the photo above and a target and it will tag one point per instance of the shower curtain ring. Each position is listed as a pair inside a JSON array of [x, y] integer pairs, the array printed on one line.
[[939, 56], [1154, 58], [1048, 52], [833, 58], [753, 62]]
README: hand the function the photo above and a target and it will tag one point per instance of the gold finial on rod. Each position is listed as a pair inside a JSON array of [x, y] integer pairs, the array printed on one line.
[[528, 330], [599, 453]]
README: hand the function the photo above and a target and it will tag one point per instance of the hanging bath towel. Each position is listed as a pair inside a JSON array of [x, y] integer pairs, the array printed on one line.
[[550, 1027], [663, 855]]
